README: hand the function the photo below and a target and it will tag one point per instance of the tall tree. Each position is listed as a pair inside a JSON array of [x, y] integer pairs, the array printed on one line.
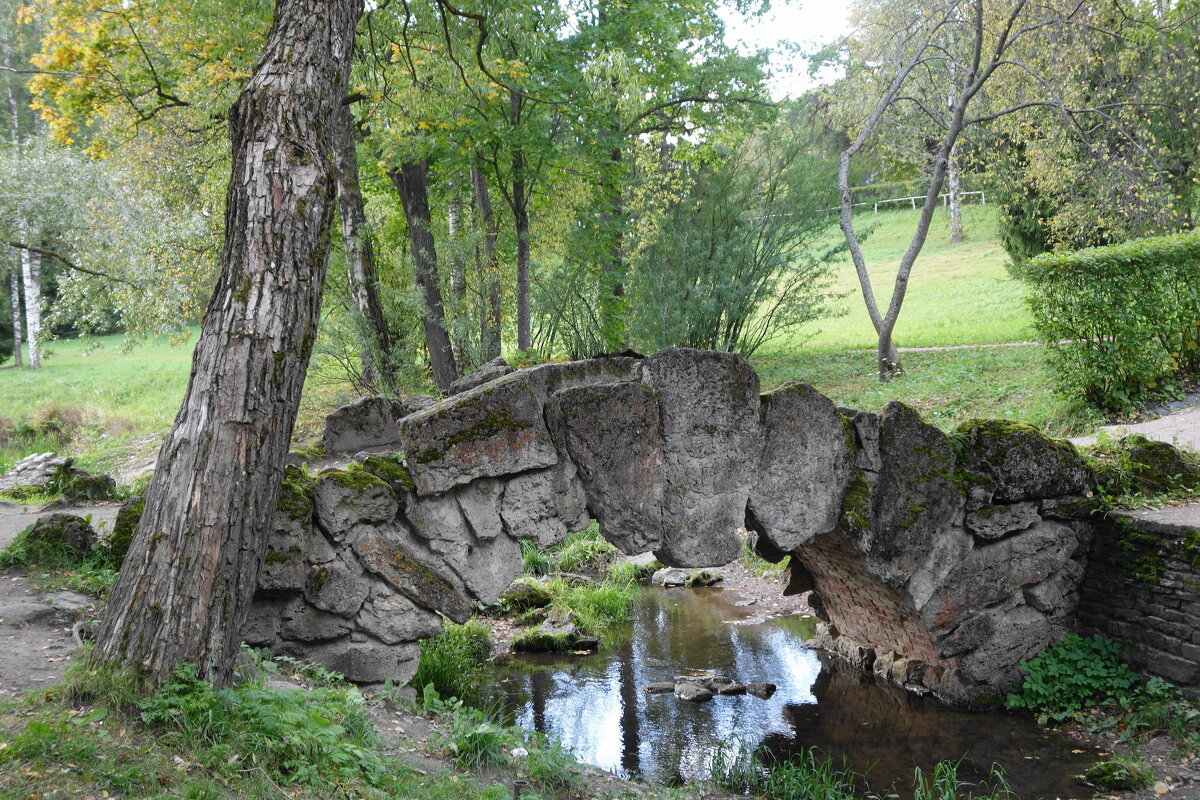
[[412, 184], [915, 56], [185, 587]]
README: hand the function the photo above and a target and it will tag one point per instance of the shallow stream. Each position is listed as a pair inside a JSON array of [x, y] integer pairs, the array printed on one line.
[[596, 706]]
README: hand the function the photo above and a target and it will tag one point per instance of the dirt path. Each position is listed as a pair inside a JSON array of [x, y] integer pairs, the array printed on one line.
[[36, 642]]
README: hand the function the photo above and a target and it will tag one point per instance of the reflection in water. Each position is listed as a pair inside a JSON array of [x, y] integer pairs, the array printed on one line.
[[596, 706]]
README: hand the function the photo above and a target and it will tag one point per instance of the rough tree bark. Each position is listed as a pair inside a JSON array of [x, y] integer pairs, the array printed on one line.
[[360, 258], [184, 591], [31, 266], [412, 184], [488, 266], [14, 298], [520, 209]]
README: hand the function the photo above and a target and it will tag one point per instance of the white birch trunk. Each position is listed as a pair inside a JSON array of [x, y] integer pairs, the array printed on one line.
[[31, 265], [14, 297]]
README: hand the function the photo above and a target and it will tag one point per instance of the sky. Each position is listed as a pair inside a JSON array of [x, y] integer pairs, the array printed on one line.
[[809, 24]]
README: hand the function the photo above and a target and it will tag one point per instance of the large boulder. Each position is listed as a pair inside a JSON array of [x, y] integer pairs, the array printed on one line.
[[1015, 461], [806, 465], [369, 423], [708, 411]]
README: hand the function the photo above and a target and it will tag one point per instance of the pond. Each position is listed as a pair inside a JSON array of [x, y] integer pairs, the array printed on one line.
[[597, 708]]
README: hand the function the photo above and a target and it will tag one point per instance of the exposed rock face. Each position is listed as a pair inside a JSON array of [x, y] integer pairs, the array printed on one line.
[[936, 596], [496, 368], [938, 565], [369, 423]]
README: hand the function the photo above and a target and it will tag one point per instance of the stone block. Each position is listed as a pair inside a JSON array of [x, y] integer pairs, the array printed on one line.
[[493, 430], [369, 423]]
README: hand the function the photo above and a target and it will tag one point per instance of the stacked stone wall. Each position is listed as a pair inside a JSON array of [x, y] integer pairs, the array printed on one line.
[[1142, 588]]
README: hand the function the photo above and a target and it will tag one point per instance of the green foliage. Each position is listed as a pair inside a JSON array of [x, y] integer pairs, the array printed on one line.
[[757, 565], [453, 660], [53, 564], [320, 736], [1133, 470], [739, 258], [806, 775], [579, 551], [1120, 772], [1071, 675], [1119, 322], [629, 572]]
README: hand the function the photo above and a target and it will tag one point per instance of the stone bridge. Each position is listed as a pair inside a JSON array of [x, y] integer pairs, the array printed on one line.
[[939, 561]]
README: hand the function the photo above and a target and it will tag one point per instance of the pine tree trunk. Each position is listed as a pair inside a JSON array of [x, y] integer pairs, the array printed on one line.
[[489, 269], [31, 265], [185, 588], [360, 258], [412, 184], [14, 298]]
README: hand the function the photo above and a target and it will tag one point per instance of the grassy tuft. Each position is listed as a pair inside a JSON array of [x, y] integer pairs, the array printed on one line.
[[453, 660]]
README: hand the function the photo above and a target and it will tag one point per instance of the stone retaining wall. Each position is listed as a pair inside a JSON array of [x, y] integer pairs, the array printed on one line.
[[1142, 587]]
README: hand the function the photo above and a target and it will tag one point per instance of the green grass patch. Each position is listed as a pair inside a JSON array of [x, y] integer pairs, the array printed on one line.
[[947, 387], [53, 565], [96, 735], [957, 294]]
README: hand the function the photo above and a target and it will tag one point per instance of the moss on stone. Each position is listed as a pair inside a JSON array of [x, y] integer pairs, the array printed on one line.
[[390, 469], [124, 527], [295, 494], [537, 641], [848, 433], [275, 557], [354, 477], [856, 502], [492, 423]]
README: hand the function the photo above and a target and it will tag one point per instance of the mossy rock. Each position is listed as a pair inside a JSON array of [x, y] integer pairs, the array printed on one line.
[[124, 527], [391, 470], [1137, 465], [524, 595], [354, 477], [295, 494], [59, 537], [88, 488], [1119, 774], [1016, 461]]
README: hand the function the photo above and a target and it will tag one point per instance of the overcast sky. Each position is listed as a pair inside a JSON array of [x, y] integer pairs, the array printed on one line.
[[806, 23]]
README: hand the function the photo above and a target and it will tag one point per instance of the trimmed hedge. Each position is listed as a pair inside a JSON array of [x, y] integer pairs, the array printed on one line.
[[1119, 321]]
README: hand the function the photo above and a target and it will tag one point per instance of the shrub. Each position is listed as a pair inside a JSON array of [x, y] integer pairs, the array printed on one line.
[[1119, 321], [1075, 673]]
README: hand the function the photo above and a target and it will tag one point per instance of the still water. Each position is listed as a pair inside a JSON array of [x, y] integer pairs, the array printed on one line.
[[597, 708]]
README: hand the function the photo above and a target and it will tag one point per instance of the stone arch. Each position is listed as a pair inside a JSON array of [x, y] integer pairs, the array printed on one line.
[[940, 563]]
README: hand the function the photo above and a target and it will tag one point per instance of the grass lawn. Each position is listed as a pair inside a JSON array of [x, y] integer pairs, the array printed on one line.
[[107, 400], [959, 294]]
